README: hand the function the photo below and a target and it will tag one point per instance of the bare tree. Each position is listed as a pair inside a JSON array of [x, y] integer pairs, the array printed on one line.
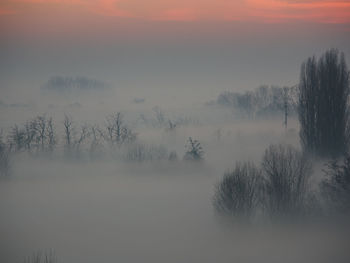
[[42, 257], [159, 115], [238, 194], [95, 145], [117, 132], [68, 133], [40, 125], [194, 150], [323, 104], [30, 130], [171, 126], [286, 173], [288, 103], [140, 152], [37, 134], [4, 157], [50, 135], [80, 139], [17, 139]]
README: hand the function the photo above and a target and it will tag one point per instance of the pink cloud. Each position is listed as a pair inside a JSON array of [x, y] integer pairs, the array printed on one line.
[[177, 15]]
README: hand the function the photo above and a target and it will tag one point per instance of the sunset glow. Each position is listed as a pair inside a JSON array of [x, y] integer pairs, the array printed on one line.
[[319, 11]]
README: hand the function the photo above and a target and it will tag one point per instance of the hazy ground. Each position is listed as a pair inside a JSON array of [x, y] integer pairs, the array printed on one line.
[[102, 212]]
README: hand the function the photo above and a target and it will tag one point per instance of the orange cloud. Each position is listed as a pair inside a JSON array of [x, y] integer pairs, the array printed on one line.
[[6, 11], [109, 8], [177, 15]]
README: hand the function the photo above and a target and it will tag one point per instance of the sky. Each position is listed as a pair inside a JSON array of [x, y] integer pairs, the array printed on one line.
[[163, 47], [322, 11]]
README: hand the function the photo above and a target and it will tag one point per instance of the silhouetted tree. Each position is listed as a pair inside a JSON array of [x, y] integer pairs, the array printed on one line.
[[96, 146], [37, 134], [323, 104], [40, 126], [289, 102], [42, 257], [336, 187], [263, 101], [117, 132], [171, 126], [239, 192], [4, 157], [172, 156], [194, 150], [68, 133], [159, 115], [50, 134], [286, 172], [80, 139]]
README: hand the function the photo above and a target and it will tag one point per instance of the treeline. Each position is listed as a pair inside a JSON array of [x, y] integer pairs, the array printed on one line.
[[65, 83], [324, 104], [39, 137], [262, 102], [280, 186]]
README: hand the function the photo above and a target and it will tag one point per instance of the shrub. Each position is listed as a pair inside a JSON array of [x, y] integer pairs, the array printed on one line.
[[336, 187], [194, 151], [238, 193], [286, 173], [42, 257], [4, 159]]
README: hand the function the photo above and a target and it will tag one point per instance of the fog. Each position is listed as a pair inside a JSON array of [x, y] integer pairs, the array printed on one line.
[[108, 210], [132, 200]]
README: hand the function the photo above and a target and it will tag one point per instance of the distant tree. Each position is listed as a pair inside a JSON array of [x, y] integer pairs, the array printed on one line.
[[171, 126], [4, 157], [288, 102], [68, 133], [50, 135], [286, 173], [74, 138], [80, 139], [194, 150], [17, 139], [30, 134], [159, 115], [42, 257], [238, 194], [66, 83], [37, 134], [323, 104], [172, 156], [261, 102], [140, 152], [117, 132], [96, 146]]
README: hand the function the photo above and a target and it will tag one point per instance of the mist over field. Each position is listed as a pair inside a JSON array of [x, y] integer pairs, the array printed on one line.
[[174, 132]]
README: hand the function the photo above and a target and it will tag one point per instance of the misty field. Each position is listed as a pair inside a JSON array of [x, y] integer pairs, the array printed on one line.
[[154, 211]]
